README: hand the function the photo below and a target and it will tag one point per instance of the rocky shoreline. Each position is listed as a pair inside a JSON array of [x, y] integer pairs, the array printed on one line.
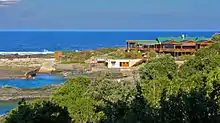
[[12, 93], [17, 68]]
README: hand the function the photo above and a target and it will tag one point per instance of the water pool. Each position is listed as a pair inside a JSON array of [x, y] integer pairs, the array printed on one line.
[[38, 82], [6, 106]]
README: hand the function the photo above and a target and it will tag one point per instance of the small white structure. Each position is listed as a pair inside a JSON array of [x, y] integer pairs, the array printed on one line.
[[100, 60], [121, 63]]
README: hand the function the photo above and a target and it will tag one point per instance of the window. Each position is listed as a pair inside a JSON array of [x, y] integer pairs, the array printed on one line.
[[113, 63], [124, 64]]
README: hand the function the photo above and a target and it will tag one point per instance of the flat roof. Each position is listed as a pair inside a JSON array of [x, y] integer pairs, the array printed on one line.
[[180, 39], [145, 42]]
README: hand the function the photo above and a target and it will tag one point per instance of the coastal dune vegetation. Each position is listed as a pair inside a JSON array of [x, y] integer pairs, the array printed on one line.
[[162, 92], [110, 53]]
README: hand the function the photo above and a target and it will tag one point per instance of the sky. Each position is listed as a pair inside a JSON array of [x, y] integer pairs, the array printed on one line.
[[111, 15]]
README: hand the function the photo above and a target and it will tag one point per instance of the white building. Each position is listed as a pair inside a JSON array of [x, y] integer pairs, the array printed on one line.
[[121, 63]]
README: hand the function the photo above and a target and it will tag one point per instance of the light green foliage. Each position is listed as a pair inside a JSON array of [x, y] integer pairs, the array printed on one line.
[[72, 96], [215, 46], [113, 53], [156, 75], [105, 89], [185, 57], [120, 101], [152, 89], [205, 60], [213, 85], [151, 54], [138, 111], [76, 57], [124, 55], [161, 66], [216, 37], [39, 111], [81, 57], [205, 53]]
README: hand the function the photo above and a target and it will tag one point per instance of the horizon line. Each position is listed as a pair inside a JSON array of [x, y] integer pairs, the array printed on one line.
[[110, 30]]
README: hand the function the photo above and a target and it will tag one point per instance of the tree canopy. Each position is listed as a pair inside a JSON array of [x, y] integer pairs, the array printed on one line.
[[72, 96], [39, 111]]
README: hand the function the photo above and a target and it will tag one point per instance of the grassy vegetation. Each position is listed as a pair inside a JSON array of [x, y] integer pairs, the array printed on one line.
[[112, 53], [185, 57]]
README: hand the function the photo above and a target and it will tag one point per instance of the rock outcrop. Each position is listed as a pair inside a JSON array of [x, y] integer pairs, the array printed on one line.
[[47, 66], [31, 74], [12, 93]]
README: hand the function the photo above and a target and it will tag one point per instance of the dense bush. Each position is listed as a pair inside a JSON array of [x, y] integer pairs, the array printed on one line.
[[111, 53], [72, 96], [39, 111]]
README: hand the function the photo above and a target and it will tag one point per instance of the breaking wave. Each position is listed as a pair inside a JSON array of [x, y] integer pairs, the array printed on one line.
[[26, 53]]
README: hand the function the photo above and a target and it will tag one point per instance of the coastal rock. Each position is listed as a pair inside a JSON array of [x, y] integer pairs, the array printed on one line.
[[17, 67], [32, 74], [12, 93], [48, 66]]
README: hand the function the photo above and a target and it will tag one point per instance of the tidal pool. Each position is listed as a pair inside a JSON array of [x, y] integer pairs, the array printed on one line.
[[38, 82]]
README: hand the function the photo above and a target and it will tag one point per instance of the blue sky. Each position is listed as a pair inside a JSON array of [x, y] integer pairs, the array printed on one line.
[[111, 14]]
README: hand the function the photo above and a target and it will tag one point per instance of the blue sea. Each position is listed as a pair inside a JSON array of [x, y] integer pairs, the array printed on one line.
[[37, 41]]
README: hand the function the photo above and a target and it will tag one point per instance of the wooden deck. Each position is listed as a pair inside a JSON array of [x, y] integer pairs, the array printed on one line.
[[164, 49], [176, 50]]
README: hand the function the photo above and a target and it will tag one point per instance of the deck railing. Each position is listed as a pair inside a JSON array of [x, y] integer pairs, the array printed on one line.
[[165, 49]]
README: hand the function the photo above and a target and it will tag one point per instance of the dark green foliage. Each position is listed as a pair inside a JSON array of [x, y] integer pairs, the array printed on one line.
[[215, 46], [189, 107], [138, 111], [38, 112]]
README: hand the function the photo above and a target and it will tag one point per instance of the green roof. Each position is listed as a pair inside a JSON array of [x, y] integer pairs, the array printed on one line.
[[147, 42], [179, 39]]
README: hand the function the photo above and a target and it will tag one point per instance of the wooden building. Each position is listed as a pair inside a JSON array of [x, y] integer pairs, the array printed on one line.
[[173, 45], [142, 45]]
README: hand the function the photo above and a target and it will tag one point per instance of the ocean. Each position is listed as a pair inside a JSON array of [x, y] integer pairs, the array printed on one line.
[[39, 41]]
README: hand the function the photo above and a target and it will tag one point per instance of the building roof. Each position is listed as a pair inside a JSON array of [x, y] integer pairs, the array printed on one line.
[[145, 42], [123, 60], [180, 39]]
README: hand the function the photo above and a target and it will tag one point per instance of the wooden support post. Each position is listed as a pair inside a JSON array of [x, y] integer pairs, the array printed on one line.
[[127, 47]]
